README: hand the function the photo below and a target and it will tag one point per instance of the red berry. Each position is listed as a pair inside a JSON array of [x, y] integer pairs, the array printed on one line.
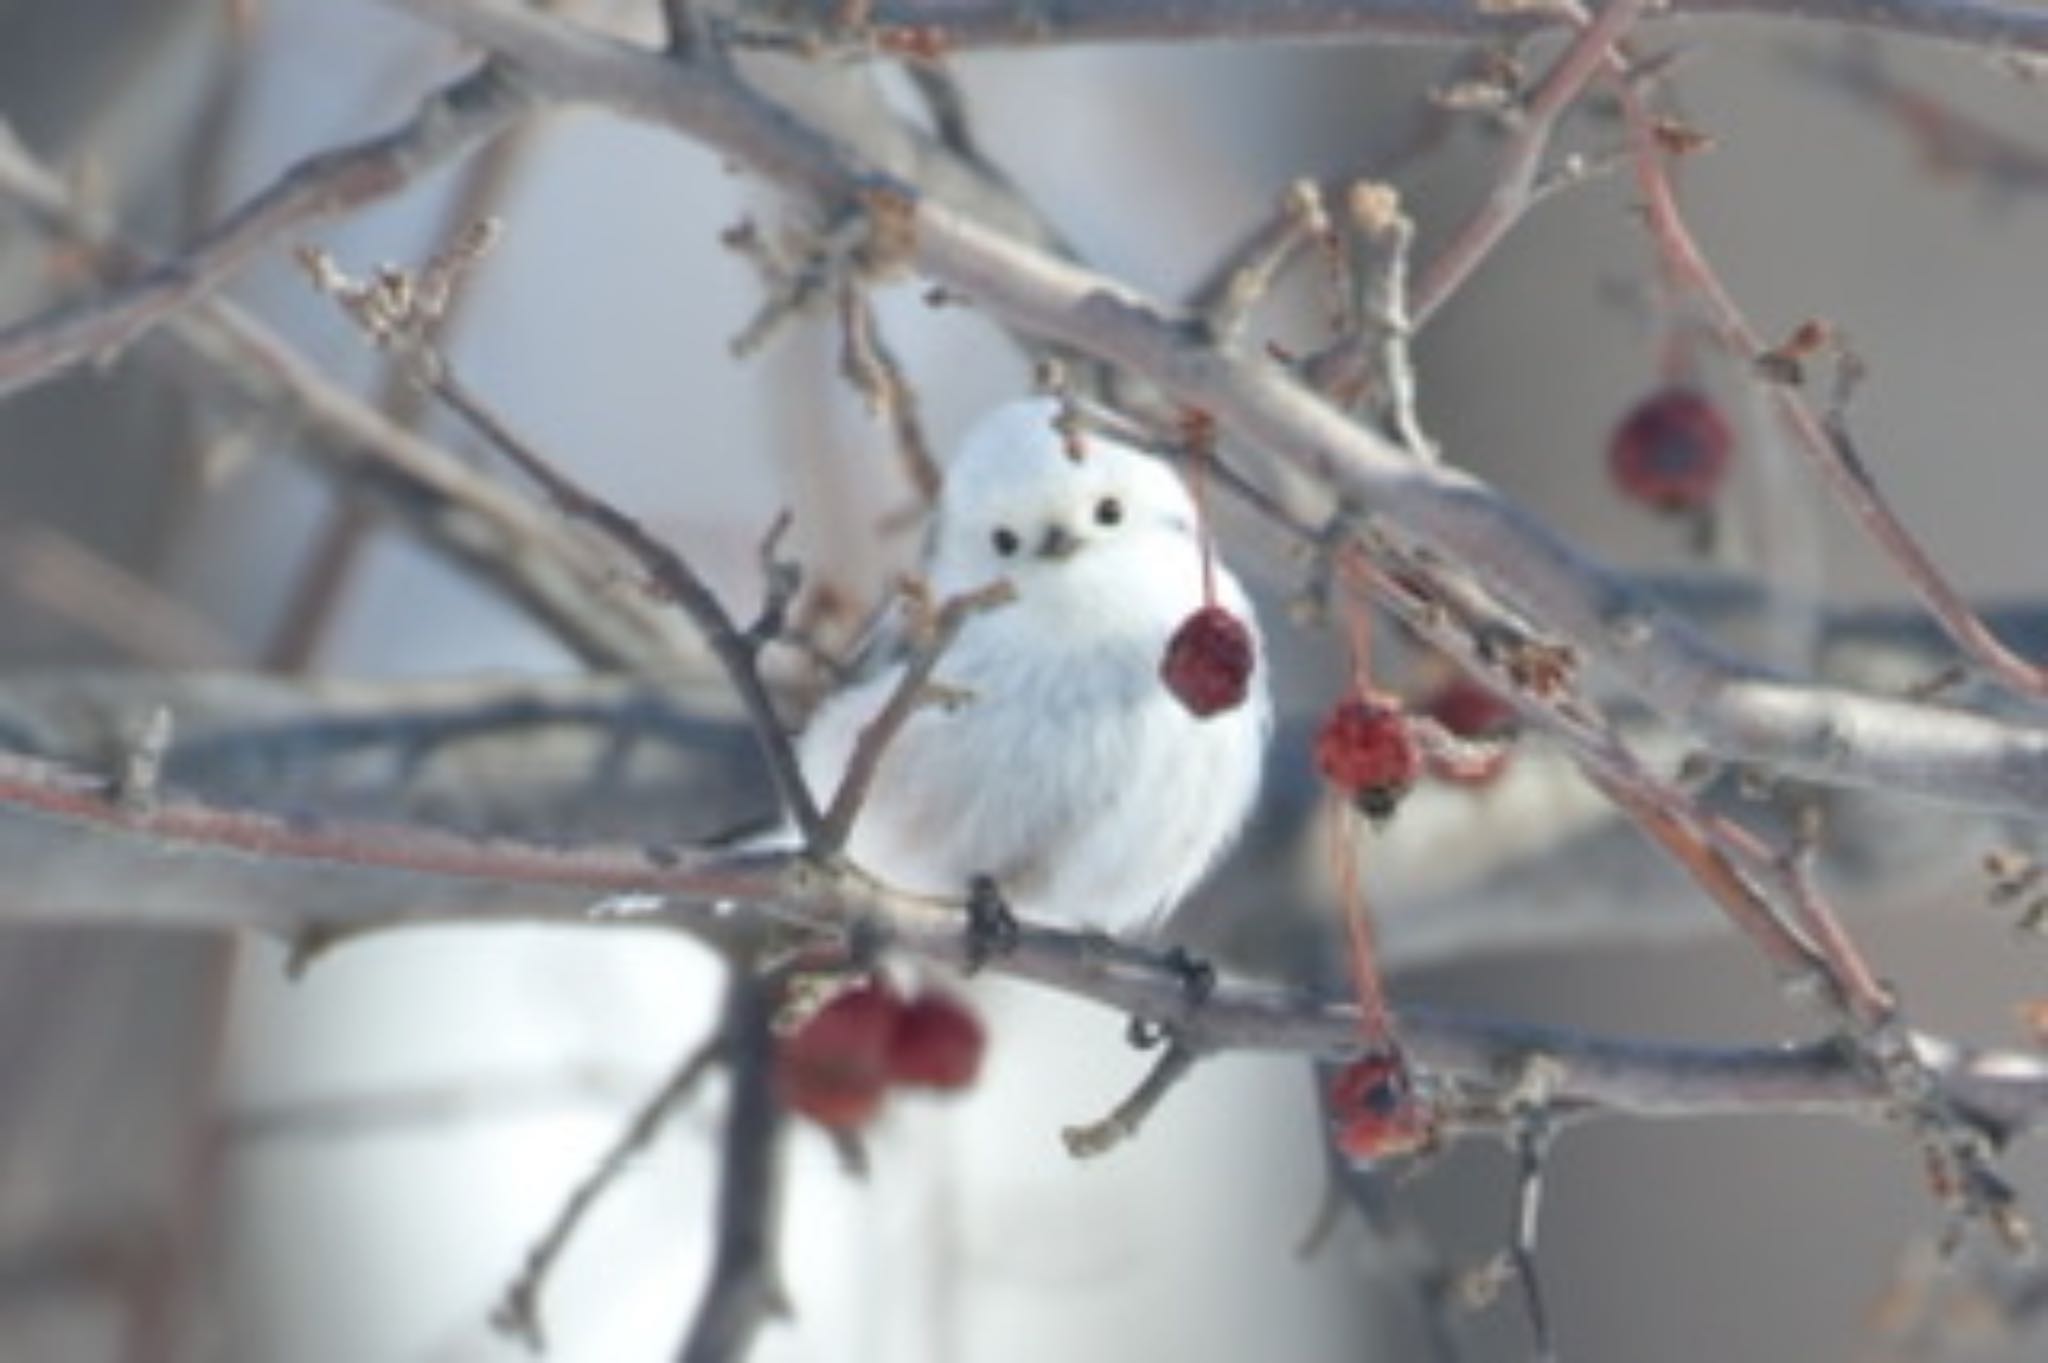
[[1366, 749], [937, 1044], [1374, 1113], [1469, 710], [1671, 452], [1208, 662], [835, 1066], [1478, 724]]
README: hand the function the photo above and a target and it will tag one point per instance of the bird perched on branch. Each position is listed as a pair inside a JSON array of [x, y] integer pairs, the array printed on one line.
[[1098, 740]]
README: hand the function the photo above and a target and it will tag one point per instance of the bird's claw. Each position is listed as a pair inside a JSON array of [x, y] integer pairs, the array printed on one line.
[[1197, 983], [1197, 976], [991, 928]]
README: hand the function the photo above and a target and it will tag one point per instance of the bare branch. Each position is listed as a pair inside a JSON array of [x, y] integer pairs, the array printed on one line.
[[1532, 1147], [54, 573], [480, 526], [682, 890], [962, 24], [933, 637], [744, 1290], [1740, 711], [518, 1312], [412, 307], [323, 578], [877, 375], [1129, 1116], [1299, 221], [449, 124], [1515, 190], [1826, 443]]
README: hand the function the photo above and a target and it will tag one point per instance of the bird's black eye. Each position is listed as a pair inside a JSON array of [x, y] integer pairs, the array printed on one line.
[[1109, 511], [1005, 541]]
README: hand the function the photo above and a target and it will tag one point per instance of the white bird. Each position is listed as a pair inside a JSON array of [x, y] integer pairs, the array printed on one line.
[[1069, 774]]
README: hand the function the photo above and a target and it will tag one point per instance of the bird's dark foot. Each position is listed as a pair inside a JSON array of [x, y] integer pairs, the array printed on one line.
[[1197, 976], [1197, 983], [991, 927], [1144, 1034]]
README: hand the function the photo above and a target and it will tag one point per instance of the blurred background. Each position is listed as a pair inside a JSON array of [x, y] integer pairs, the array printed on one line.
[[203, 1159]]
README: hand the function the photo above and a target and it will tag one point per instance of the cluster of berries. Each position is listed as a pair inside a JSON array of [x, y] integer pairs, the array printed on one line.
[[838, 1064]]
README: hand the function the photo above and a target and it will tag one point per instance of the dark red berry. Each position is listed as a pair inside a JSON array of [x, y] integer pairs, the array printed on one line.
[[1367, 750], [1473, 749], [1374, 1113], [1469, 710], [1671, 452], [1208, 663], [835, 1066], [938, 1044]]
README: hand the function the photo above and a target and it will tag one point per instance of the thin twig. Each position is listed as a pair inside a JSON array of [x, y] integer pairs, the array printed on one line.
[[1372, 354], [518, 1312], [1300, 221], [1514, 188], [877, 375], [48, 570], [912, 693], [1532, 1144], [449, 124], [1128, 1118], [481, 527], [1740, 712], [1826, 443], [322, 583], [1955, 147], [668, 572]]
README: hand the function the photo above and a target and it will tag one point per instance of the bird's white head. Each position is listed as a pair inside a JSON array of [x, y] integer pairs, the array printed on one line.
[[1019, 504]]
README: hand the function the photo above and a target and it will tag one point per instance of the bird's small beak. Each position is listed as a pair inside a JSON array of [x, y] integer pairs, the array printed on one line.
[[1058, 543]]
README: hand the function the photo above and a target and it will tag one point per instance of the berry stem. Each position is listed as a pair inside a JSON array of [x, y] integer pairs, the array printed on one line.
[[1375, 1018], [1199, 429], [1352, 566]]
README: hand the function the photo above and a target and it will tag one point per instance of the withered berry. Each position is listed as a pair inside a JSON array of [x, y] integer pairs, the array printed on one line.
[[1374, 1113], [1366, 749], [938, 1044], [1208, 662], [835, 1066], [1671, 451]]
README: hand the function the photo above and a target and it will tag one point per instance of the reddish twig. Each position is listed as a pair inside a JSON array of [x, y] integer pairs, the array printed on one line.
[[684, 889], [1514, 189], [1825, 442]]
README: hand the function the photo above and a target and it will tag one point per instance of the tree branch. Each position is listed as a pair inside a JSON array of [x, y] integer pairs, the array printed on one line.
[[480, 526], [1740, 711], [965, 24], [503, 880], [450, 123], [744, 1289]]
